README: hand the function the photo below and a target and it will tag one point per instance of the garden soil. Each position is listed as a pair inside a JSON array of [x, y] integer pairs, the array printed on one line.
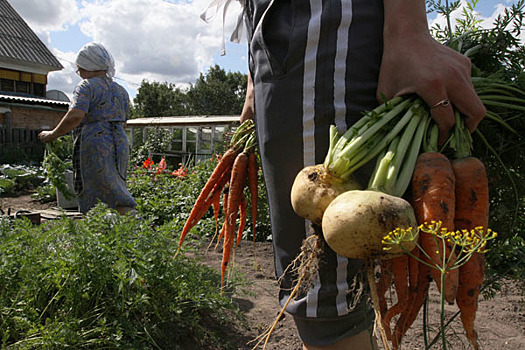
[[500, 321]]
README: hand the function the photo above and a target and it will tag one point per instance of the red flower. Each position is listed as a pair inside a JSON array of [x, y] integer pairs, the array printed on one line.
[[180, 172], [147, 163], [161, 167]]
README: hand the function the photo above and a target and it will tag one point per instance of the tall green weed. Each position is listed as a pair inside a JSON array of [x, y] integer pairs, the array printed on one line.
[[105, 282]]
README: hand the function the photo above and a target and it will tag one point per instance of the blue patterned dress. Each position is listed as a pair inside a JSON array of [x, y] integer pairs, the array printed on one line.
[[101, 150]]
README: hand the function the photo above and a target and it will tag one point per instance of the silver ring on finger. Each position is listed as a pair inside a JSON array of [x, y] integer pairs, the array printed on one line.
[[443, 103]]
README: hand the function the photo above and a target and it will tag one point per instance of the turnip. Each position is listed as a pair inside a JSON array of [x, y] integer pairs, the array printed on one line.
[[313, 190], [355, 222], [316, 186]]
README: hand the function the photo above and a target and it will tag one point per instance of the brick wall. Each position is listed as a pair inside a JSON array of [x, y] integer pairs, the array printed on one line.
[[35, 119]]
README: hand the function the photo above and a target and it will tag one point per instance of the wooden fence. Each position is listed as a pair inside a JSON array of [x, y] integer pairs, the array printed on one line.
[[18, 142]]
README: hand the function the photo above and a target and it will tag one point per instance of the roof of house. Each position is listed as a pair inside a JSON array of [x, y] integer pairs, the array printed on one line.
[[184, 120], [18, 42], [33, 101]]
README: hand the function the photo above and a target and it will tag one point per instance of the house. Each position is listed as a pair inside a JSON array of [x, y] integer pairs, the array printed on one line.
[[25, 62]]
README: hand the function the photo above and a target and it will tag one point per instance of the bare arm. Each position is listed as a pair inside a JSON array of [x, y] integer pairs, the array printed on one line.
[[413, 62], [248, 108], [70, 121]]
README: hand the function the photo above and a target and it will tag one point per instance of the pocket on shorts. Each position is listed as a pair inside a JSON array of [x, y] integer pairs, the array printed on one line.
[[273, 36]]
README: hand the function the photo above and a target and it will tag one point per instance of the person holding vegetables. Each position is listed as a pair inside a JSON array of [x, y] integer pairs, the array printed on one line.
[[96, 116], [317, 63]]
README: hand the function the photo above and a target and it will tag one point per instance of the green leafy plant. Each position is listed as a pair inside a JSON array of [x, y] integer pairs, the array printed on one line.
[[19, 178], [57, 160], [106, 282], [168, 197], [498, 58]]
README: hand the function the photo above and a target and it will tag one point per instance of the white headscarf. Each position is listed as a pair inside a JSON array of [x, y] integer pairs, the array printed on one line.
[[93, 57]]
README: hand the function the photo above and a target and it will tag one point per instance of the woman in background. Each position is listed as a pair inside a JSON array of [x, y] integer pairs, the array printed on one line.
[[96, 116]]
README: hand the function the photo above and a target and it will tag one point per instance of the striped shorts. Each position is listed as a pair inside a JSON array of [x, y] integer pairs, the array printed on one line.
[[314, 63]]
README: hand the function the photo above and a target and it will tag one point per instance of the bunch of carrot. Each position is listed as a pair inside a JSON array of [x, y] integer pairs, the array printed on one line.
[[454, 193], [235, 170], [451, 188]]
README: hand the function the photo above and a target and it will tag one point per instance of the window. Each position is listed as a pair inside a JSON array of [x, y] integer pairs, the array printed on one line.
[[22, 87], [205, 141], [39, 89], [191, 139], [7, 85], [177, 139]]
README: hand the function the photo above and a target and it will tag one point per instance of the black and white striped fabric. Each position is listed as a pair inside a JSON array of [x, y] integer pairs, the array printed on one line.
[[314, 63]]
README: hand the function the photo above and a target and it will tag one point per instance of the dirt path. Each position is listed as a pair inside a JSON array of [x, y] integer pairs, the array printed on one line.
[[500, 321]]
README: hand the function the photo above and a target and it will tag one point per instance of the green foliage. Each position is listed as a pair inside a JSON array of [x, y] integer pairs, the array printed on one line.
[[157, 141], [156, 99], [496, 54], [58, 159], [496, 50], [218, 93], [7, 185], [19, 178], [215, 93], [106, 282], [164, 198], [45, 193]]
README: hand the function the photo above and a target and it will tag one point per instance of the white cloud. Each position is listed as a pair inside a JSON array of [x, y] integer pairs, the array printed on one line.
[[149, 39], [44, 16], [66, 79], [153, 39], [486, 22]]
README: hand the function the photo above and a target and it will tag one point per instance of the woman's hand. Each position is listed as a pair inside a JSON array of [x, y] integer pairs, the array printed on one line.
[[46, 136], [413, 62], [71, 120]]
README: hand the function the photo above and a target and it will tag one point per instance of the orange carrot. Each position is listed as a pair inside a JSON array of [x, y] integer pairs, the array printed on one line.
[[216, 208], [225, 209], [197, 211], [215, 194], [472, 210], [417, 297], [400, 275], [434, 200], [252, 179], [413, 267], [237, 182], [243, 216]]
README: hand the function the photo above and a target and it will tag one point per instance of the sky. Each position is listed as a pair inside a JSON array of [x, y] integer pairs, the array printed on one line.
[[153, 40]]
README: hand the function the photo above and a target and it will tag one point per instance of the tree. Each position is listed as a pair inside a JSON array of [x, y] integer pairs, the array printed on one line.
[[214, 93], [217, 93], [156, 99]]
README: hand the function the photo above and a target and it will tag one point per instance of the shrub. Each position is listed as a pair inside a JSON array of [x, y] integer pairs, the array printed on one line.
[[19, 178], [107, 281], [166, 198]]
